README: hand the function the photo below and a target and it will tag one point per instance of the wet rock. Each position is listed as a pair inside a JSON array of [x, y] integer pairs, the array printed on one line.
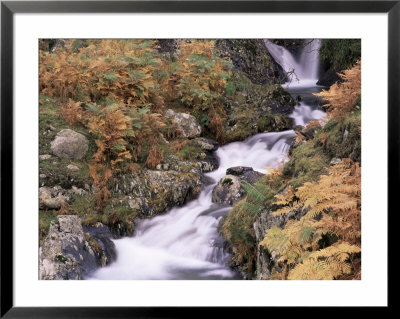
[[69, 144], [186, 123], [246, 174], [102, 235], [229, 189], [68, 253]]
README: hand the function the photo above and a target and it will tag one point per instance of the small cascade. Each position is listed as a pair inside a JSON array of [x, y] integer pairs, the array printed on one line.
[[302, 72], [185, 243]]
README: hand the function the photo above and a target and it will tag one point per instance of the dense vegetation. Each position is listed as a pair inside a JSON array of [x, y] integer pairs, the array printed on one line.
[[340, 53], [337, 55], [319, 199], [116, 92]]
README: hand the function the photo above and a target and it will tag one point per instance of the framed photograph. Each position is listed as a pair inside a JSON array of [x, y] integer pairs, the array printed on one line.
[[165, 157]]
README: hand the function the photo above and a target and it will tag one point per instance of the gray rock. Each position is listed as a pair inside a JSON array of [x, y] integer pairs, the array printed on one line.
[[73, 167], [246, 174], [68, 253], [151, 192], [102, 235], [77, 191], [229, 189], [335, 161], [186, 123], [45, 157], [69, 144], [52, 197], [206, 144]]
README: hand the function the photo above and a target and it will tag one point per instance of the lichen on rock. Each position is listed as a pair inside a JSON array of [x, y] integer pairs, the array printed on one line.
[[67, 254]]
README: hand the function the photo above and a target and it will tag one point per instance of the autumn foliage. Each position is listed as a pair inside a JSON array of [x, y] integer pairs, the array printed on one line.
[[117, 90], [343, 97], [333, 208]]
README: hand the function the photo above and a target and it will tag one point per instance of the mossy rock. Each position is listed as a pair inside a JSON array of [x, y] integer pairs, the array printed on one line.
[[343, 139], [308, 161]]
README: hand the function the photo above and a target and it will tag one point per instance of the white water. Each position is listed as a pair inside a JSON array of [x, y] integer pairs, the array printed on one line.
[[303, 72], [304, 113], [184, 243]]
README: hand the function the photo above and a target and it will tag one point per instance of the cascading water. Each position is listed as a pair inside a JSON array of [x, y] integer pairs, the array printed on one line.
[[301, 72], [303, 75], [185, 243]]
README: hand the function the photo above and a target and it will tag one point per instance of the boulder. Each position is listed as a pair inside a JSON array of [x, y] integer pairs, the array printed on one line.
[[246, 174], [206, 144], [186, 123], [69, 144], [68, 253], [73, 167], [151, 192], [52, 197], [229, 189]]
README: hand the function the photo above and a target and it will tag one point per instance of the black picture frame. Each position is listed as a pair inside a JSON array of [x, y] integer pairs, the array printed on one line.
[[9, 8]]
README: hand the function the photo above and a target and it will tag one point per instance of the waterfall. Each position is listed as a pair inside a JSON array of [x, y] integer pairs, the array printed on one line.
[[302, 71], [185, 243]]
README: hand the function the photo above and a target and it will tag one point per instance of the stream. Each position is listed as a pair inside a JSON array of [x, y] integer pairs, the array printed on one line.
[[184, 243]]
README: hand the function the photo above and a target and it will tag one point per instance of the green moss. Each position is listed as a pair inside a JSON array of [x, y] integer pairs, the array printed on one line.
[[115, 215], [343, 139], [307, 162], [281, 95], [94, 244], [189, 152], [45, 218], [340, 53], [82, 205], [237, 229], [273, 123], [238, 226], [238, 82], [227, 181], [56, 172], [50, 116], [55, 168], [61, 258]]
